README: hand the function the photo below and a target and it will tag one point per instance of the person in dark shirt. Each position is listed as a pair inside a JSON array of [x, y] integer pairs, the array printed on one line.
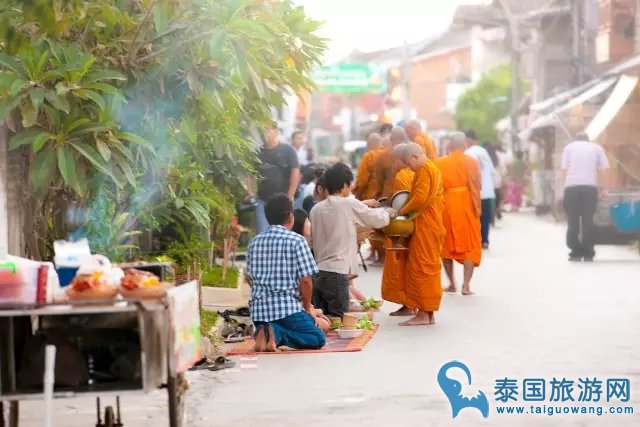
[[279, 172]]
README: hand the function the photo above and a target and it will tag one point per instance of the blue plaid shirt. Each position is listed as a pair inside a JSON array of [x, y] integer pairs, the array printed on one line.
[[277, 260]]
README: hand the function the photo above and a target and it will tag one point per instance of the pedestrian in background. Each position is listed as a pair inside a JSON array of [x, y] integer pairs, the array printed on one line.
[[582, 160], [499, 160], [488, 193], [279, 172]]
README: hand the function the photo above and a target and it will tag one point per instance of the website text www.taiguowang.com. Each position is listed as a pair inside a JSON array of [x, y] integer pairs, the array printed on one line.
[[551, 410]]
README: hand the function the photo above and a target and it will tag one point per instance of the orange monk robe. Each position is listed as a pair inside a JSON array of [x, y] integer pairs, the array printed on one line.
[[424, 285], [385, 173], [462, 183], [403, 180], [366, 176], [424, 140], [395, 262]]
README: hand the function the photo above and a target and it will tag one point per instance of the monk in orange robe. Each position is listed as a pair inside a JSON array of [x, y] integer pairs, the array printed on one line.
[[385, 171], [426, 202], [395, 262], [366, 185], [415, 134], [462, 206]]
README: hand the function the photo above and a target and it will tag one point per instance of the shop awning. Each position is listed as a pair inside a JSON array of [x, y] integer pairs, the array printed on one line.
[[588, 94], [619, 96]]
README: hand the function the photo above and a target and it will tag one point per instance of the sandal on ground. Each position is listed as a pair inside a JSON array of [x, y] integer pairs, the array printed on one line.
[[222, 363], [234, 338], [201, 365]]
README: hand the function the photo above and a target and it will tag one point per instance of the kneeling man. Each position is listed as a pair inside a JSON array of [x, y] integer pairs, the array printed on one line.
[[280, 268]]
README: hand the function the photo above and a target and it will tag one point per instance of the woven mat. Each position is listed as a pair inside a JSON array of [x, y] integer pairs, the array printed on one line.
[[334, 345]]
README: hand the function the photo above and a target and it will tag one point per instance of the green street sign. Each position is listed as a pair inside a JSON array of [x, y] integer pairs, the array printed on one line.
[[351, 78]]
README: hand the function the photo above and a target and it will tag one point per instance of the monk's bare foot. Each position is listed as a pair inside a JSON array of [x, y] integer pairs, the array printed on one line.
[[419, 319], [432, 318], [403, 312], [467, 292], [451, 289], [261, 340], [271, 341]]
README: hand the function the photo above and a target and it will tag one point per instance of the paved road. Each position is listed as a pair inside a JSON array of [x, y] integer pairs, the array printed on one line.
[[534, 315]]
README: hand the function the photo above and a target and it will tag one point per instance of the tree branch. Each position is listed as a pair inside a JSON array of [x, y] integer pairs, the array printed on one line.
[[195, 38], [145, 20]]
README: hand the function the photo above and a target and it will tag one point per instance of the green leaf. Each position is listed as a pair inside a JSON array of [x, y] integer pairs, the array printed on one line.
[[40, 140], [43, 172], [67, 167], [59, 102], [94, 96], [160, 19], [136, 139], [234, 7], [16, 87], [128, 172], [92, 128], [40, 65], [106, 88], [97, 76], [95, 159], [216, 43], [104, 150], [76, 124], [26, 137], [37, 97], [29, 114], [118, 145], [251, 29], [179, 203], [7, 105], [7, 61]]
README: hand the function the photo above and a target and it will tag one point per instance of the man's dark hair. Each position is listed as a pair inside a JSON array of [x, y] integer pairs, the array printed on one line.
[[299, 218], [308, 173], [582, 136], [385, 128], [296, 133], [278, 209], [337, 176], [471, 134], [320, 183]]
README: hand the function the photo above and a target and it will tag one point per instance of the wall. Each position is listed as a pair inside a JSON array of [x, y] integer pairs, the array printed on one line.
[[489, 49], [637, 26], [429, 77]]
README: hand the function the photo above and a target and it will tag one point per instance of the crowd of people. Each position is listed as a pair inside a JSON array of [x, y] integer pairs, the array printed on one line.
[[303, 262]]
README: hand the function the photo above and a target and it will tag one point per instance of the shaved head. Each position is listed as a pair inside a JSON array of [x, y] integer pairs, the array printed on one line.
[[398, 151], [457, 141], [373, 141], [412, 149], [414, 124], [397, 135], [413, 128]]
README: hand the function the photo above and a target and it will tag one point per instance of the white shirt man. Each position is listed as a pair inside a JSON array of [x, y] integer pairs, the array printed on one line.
[[582, 160], [486, 169]]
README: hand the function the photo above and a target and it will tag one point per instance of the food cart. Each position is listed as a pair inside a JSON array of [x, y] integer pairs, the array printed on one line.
[[104, 348]]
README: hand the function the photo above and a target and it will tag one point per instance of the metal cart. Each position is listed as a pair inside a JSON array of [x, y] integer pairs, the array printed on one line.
[[617, 219], [119, 348]]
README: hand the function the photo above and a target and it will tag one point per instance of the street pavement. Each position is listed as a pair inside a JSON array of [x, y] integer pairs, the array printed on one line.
[[535, 315]]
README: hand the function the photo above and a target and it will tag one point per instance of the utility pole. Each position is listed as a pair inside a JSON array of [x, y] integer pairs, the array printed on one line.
[[514, 35], [515, 88], [576, 46]]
